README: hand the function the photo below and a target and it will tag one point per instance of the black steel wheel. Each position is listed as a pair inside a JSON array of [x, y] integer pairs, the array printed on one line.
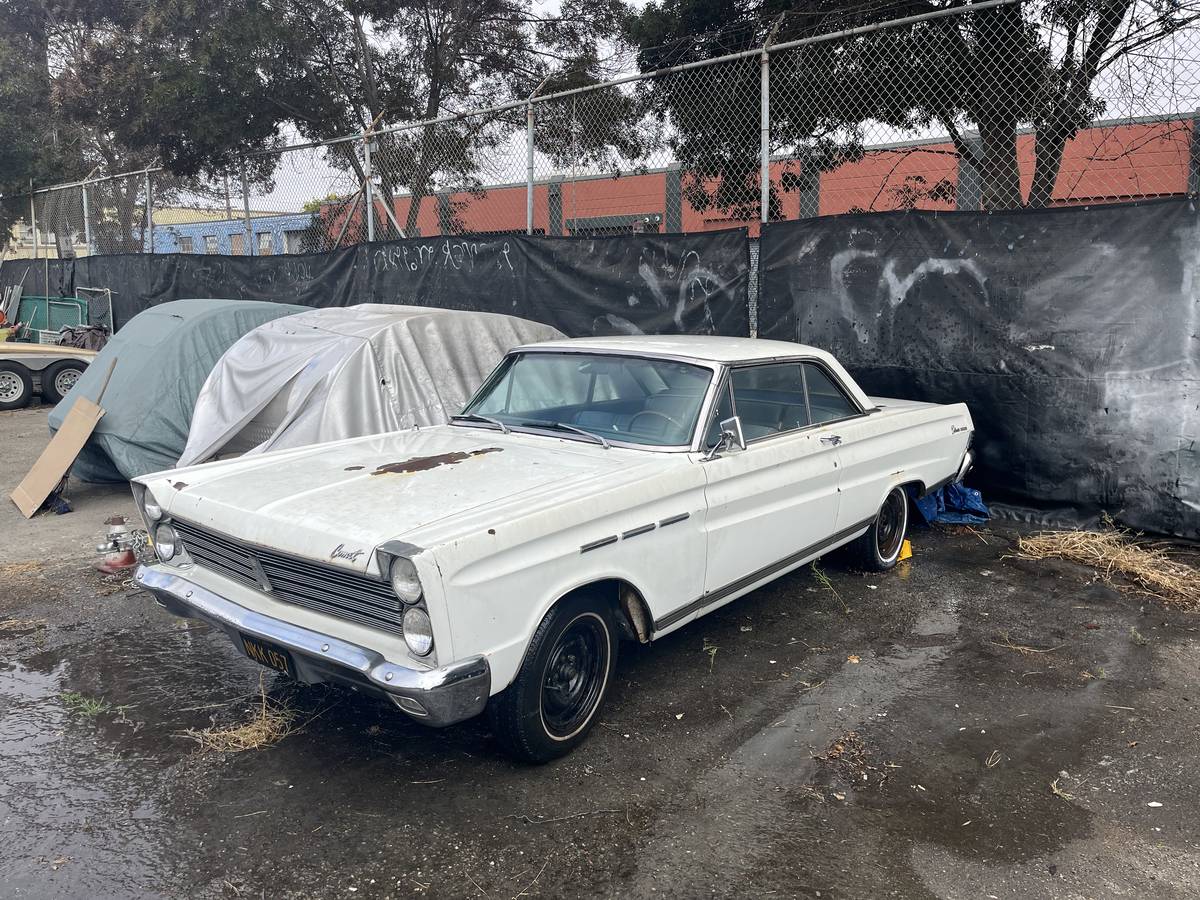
[[552, 703], [576, 674], [879, 548]]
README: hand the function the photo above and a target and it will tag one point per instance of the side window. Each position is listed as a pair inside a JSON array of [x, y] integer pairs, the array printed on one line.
[[722, 411], [770, 399], [826, 400]]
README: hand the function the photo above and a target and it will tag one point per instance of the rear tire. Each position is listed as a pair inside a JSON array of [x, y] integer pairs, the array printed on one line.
[[879, 549], [59, 378], [553, 702], [16, 386]]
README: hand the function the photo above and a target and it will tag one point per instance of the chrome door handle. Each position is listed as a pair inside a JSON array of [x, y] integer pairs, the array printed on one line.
[[832, 440]]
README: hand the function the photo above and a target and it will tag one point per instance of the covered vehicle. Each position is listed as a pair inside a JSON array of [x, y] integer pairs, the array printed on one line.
[[163, 356], [329, 374]]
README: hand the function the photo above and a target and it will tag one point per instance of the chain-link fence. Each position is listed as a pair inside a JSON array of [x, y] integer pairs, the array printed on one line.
[[998, 105]]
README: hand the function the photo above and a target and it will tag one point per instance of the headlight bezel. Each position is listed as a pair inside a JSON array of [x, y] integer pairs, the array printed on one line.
[[148, 505], [172, 542], [418, 631], [406, 581]]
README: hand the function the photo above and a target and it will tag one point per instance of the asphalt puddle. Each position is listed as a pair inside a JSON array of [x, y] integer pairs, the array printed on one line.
[[89, 735]]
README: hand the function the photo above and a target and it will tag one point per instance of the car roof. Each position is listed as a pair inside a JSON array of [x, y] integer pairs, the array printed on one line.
[[702, 348]]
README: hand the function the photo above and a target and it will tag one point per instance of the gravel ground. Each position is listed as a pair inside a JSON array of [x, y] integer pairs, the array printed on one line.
[[969, 725]]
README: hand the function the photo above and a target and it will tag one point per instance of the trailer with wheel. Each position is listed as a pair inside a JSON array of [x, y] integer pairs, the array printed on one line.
[[47, 369]]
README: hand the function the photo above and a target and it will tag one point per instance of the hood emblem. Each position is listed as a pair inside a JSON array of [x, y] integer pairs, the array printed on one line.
[[340, 552]]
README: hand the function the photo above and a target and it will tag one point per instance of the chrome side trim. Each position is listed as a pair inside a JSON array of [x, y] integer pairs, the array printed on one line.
[[596, 545], [672, 520], [447, 694], [767, 571], [634, 532]]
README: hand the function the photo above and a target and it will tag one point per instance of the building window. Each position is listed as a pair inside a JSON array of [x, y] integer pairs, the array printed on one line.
[[293, 242], [210, 244], [185, 245], [237, 244], [265, 246]]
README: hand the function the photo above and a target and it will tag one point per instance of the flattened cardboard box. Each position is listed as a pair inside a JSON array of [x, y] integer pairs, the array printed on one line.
[[57, 458]]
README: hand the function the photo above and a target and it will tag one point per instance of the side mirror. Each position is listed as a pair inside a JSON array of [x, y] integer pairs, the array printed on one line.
[[731, 431], [731, 436]]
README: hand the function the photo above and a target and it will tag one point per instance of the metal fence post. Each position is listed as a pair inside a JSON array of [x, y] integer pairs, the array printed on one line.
[[764, 125], [149, 212], [33, 219], [246, 210], [369, 188], [764, 140], [529, 169], [87, 219]]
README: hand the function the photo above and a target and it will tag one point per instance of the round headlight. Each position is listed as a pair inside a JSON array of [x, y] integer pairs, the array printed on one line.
[[405, 581], [418, 632], [150, 507], [166, 542]]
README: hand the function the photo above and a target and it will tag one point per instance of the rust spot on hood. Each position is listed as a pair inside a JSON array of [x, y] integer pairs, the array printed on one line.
[[179, 485], [422, 463]]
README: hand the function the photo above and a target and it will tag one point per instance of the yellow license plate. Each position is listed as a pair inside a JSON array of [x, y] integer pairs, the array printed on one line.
[[269, 655]]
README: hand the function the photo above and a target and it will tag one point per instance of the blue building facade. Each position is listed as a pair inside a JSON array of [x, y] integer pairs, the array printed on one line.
[[270, 236]]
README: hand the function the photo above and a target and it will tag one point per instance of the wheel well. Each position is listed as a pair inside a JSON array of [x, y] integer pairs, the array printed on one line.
[[628, 605]]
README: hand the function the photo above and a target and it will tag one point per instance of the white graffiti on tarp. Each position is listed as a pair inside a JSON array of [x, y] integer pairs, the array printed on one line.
[[696, 282], [290, 271], [619, 324], [896, 288], [446, 254]]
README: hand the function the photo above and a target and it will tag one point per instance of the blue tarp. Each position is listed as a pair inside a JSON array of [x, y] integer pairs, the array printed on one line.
[[954, 504]]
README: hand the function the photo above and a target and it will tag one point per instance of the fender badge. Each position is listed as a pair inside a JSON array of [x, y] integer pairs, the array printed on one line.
[[340, 552]]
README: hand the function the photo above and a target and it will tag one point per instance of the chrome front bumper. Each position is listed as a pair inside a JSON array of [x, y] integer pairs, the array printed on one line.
[[435, 697]]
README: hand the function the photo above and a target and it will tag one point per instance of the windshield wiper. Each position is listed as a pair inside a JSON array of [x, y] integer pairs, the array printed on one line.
[[563, 426], [475, 417]]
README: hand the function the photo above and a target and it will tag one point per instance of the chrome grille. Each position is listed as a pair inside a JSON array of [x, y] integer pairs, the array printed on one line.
[[335, 592]]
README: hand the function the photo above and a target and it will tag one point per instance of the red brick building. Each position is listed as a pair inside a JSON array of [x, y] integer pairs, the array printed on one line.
[[1110, 162]]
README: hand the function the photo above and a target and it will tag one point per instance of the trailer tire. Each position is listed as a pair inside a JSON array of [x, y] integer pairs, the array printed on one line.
[[16, 386], [59, 378]]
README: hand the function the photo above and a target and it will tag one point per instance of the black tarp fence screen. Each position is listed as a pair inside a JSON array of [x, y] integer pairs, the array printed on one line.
[[627, 284], [1072, 333]]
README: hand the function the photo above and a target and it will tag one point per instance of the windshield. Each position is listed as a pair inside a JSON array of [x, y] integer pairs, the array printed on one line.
[[619, 398]]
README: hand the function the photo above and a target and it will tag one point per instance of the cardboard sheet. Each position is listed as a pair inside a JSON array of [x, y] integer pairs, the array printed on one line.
[[57, 458]]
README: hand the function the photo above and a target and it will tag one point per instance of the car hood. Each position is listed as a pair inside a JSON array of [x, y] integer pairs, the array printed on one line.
[[351, 496]]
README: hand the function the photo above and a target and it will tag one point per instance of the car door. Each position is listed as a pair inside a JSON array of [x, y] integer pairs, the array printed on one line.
[[865, 462], [771, 503]]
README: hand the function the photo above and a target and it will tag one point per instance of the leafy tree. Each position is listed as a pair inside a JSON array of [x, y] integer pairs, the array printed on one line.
[[31, 149], [202, 84], [1030, 65]]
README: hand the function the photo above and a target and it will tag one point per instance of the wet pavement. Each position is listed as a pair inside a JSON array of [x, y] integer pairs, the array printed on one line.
[[896, 735]]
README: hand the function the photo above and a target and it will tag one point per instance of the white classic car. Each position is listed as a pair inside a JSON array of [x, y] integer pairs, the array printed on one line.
[[593, 490]]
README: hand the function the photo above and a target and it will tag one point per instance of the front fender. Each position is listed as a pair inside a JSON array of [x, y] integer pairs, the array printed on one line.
[[495, 603]]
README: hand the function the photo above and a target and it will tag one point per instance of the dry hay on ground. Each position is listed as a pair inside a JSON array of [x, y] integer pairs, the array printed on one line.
[[16, 570], [1114, 552], [271, 723]]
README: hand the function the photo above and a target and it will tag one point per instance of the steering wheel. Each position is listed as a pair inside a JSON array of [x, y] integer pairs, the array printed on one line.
[[654, 412]]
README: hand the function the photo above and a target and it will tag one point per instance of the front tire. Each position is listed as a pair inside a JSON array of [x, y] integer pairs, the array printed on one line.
[[879, 548], [553, 702]]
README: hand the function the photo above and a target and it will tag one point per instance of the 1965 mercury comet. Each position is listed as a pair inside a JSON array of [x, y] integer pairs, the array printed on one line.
[[593, 490]]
